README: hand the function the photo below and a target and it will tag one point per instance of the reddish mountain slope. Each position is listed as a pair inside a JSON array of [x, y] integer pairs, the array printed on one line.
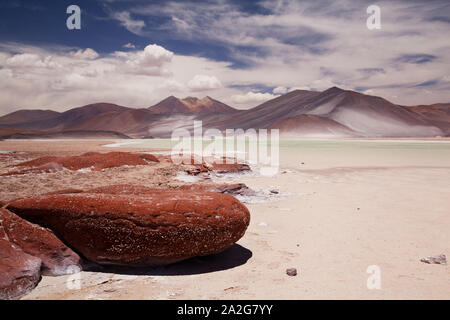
[[367, 115], [267, 113], [74, 117], [53, 122], [311, 126], [124, 121], [23, 116], [370, 115], [6, 132], [190, 105], [436, 114]]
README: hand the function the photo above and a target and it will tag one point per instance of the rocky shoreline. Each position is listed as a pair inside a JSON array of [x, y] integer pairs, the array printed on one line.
[[59, 232]]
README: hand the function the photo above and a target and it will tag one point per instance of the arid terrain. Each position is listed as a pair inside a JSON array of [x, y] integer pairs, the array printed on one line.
[[335, 208]]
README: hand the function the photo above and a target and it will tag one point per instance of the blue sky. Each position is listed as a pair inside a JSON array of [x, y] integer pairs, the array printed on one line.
[[138, 52]]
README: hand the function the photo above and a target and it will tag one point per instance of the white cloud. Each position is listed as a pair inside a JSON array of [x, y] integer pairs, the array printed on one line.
[[252, 98], [306, 88], [36, 78], [172, 86], [280, 90], [129, 45], [30, 60], [201, 82], [153, 55], [149, 61], [87, 54], [132, 25], [23, 60]]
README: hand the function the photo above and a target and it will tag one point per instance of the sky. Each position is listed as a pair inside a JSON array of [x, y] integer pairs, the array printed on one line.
[[136, 53]]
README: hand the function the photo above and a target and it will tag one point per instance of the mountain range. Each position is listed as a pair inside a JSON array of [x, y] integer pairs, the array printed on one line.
[[329, 114]]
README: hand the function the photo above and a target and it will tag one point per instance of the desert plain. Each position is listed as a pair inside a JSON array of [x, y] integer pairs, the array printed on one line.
[[335, 209]]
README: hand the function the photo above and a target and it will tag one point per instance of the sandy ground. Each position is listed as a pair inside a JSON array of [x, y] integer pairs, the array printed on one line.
[[339, 212]]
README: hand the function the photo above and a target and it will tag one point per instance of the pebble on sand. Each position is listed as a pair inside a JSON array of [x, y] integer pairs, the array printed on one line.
[[436, 259], [292, 272]]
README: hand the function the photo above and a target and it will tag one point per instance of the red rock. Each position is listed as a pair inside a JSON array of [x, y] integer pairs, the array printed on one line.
[[196, 165], [106, 160], [228, 167], [233, 189], [196, 169], [19, 272], [158, 229], [124, 189], [148, 157], [221, 166], [96, 161], [57, 258]]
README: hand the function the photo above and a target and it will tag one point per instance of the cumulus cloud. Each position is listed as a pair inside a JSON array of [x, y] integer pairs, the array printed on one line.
[[153, 55], [201, 82], [149, 61], [252, 97], [129, 45], [86, 54]]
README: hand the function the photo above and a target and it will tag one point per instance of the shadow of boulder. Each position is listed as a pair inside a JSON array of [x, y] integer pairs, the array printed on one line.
[[232, 257]]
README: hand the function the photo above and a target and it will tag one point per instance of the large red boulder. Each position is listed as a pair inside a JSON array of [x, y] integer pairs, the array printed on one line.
[[156, 229], [19, 272], [57, 258]]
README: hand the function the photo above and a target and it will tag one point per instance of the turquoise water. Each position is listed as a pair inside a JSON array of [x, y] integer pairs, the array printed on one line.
[[314, 144], [341, 153], [366, 144]]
